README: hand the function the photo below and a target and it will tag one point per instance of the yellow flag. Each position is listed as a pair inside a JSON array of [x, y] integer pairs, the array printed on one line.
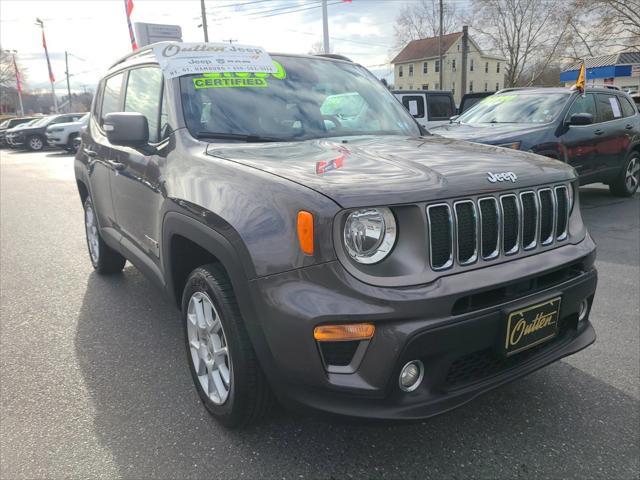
[[582, 76]]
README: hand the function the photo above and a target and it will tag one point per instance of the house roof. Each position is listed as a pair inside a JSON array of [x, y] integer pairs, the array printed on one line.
[[623, 58], [425, 48]]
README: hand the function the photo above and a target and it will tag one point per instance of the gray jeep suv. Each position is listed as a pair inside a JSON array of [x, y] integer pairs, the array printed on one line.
[[322, 248]]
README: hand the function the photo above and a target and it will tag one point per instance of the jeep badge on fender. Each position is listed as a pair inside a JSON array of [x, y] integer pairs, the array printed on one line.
[[322, 248]]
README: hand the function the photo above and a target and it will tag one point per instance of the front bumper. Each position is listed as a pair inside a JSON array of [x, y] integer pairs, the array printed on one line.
[[54, 140], [454, 325]]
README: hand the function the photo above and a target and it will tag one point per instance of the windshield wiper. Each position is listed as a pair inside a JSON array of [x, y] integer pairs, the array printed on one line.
[[237, 136]]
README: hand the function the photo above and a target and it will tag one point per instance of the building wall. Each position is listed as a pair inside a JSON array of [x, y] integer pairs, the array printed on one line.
[[625, 83], [452, 79]]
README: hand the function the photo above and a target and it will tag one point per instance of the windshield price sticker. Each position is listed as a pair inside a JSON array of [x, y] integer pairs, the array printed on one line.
[[179, 59]]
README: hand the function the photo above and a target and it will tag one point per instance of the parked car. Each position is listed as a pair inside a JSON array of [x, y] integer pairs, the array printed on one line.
[[61, 135], [367, 269], [470, 99], [597, 133], [429, 107], [33, 136], [8, 125], [11, 131]]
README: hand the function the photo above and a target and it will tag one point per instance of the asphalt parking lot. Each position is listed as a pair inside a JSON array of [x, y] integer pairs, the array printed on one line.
[[94, 379]]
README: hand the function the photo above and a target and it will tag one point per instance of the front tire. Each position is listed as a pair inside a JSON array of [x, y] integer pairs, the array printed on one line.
[[103, 258], [35, 143], [626, 183], [223, 364]]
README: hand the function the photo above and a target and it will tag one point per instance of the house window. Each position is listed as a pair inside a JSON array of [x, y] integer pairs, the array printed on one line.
[[498, 67], [411, 70], [437, 86], [497, 86], [486, 67], [453, 65], [453, 88], [410, 87], [471, 86], [425, 67], [437, 66], [471, 65], [400, 71], [486, 87], [425, 86]]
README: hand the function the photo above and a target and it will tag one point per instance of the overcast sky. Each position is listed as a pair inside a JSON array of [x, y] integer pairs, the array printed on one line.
[[95, 32]]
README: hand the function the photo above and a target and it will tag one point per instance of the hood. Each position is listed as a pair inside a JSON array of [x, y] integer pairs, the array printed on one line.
[[493, 133], [387, 170], [77, 123]]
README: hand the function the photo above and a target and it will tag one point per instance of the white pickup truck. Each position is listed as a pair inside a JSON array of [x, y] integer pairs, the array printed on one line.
[[62, 134]]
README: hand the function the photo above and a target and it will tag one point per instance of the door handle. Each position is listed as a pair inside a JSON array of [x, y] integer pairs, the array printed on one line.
[[628, 127], [90, 153], [598, 132], [116, 165]]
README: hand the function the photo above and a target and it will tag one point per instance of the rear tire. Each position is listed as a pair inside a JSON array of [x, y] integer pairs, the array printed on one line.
[[104, 259], [35, 143], [223, 364], [626, 183]]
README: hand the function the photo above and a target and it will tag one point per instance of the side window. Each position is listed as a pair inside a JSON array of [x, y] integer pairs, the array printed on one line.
[[627, 108], [111, 96], [608, 107], [415, 105], [143, 96], [440, 107], [582, 104]]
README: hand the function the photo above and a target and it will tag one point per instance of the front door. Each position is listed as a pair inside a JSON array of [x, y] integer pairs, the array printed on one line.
[[136, 185], [581, 142]]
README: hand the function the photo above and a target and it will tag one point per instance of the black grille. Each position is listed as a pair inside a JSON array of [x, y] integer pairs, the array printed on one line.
[[546, 216], [466, 223], [510, 223], [440, 235], [489, 228], [338, 354], [529, 219], [561, 217]]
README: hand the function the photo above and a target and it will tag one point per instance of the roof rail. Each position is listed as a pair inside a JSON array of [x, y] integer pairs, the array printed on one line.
[[335, 56]]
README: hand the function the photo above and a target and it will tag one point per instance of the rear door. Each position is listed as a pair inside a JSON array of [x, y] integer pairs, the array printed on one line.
[[614, 138], [416, 105], [440, 108], [136, 184]]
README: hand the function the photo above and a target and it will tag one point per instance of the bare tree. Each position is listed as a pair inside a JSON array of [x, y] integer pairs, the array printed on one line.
[[7, 74], [528, 33], [422, 20]]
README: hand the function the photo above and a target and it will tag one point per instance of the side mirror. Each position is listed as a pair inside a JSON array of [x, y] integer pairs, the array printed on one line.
[[453, 119], [580, 119], [126, 128]]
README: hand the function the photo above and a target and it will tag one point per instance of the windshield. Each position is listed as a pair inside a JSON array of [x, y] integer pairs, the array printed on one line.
[[516, 108], [306, 98]]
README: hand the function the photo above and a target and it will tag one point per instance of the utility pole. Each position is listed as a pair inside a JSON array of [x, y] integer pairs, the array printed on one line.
[[325, 27], [52, 79], [440, 50], [463, 66], [204, 21], [66, 72]]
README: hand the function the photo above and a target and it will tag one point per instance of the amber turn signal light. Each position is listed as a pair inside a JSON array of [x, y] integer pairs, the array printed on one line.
[[305, 231], [337, 333]]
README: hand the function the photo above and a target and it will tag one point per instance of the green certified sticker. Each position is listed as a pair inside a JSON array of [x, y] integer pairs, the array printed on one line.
[[225, 82], [238, 79]]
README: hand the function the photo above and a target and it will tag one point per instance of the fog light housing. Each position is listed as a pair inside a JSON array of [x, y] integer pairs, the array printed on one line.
[[411, 376], [583, 309]]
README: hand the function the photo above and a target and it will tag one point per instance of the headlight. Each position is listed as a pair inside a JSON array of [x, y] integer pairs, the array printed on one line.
[[513, 145], [369, 234]]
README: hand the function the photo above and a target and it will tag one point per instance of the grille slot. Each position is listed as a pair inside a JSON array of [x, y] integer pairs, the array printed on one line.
[[490, 228], [547, 211], [562, 216], [466, 232], [529, 220], [441, 236], [510, 223]]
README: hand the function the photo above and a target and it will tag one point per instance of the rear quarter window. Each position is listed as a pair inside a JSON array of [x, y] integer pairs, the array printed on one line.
[[627, 108], [440, 107], [415, 105]]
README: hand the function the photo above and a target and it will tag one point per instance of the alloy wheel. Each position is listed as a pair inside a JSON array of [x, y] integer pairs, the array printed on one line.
[[35, 143], [91, 227], [208, 348], [632, 175]]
